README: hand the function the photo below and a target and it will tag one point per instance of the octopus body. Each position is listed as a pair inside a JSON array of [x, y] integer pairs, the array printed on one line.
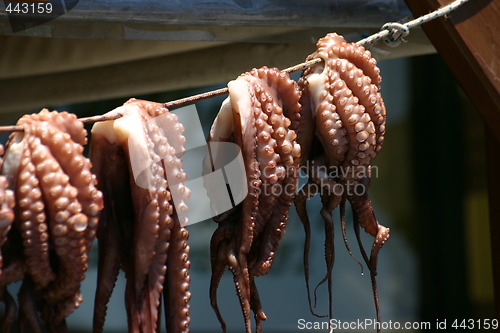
[[344, 120], [136, 160], [260, 116], [56, 216]]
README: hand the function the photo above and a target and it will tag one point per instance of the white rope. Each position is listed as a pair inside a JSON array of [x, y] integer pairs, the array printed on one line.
[[393, 33]]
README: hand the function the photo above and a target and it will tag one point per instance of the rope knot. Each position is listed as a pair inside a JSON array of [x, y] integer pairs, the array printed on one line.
[[397, 32]]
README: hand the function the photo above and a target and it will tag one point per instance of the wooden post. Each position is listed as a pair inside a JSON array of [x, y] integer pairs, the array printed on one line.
[[468, 42]]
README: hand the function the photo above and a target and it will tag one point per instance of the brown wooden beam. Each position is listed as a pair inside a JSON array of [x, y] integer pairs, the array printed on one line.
[[468, 42]]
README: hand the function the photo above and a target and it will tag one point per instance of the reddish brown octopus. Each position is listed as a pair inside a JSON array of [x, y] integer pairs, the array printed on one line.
[[342, 130], [260, 116], [56, 217], [136, 160]]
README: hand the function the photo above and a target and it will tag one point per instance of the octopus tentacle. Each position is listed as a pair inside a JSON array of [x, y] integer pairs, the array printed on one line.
[[114, 184], [146, 234], [66, 208], [32, 220], [177, 281], [330, 200], [152, 225], [244, 118], [307, 191], [256, 307], [29, 211], [352, 114], [289, 95], [358, 238], [13, 271], [78, 168], [28, 315], [369, 97], [365, 152], [331, 128], [260, 116], [241, 282], [156, 275], [67, 307], [274, 231], [329, 203], [342, 93], [171, 226], [108, 270], [344, 234], [220, 243], [151, 139], [284, 171], [381, 238], [371, 268], [360, 57], [218, 250], [64, 122], [243, 124], [306, 130], [10, 310]]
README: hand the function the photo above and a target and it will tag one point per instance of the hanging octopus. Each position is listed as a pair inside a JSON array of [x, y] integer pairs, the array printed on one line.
[[141, 231], [342, 130], [56, 216], [260, 116], [6, 218]]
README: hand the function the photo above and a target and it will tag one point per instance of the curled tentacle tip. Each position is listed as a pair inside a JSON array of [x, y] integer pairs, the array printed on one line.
[[382, 235]]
